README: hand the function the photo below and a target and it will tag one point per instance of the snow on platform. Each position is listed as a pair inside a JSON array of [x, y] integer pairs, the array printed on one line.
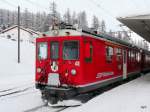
[[130, 97]]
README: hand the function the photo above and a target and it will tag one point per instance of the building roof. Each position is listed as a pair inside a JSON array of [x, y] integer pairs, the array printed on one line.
[[27, 30], [140, 24]]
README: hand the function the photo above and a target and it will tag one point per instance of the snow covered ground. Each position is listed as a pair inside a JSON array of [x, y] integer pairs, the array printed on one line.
[[10, 70], [130, 97], [16, 80]]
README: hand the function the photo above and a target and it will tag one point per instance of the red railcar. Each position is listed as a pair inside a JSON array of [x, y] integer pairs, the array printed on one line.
[[71, 62]]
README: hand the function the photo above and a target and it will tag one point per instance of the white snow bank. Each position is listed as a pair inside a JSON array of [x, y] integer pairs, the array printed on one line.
[[12, 73], [130, 97], [17, 77]]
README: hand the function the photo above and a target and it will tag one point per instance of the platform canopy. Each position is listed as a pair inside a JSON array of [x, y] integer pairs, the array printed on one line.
[[139, 24]]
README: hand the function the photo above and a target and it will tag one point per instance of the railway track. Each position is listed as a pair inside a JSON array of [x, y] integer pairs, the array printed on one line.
[[13, 91], [65, 107], [47, 108], [1, 91], [34, 109]]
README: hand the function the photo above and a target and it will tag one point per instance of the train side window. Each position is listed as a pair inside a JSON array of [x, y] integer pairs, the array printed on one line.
[[132, 56], [118, 54], [88, 52], [109, 54], [136, 54], [138, 57], [129, 53]]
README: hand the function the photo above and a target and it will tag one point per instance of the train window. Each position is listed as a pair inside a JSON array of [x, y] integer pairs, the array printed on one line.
[[71, 50], [109, 53], [129, 55], [138, 57], [118, 51], [118, 54], [132, 56], [147, 57], [42, 50], [54, 50]]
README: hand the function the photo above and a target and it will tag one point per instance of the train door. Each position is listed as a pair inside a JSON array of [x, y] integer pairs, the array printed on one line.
[[53, 77], [124, 64]]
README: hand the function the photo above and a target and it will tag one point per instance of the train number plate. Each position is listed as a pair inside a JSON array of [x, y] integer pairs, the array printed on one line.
[[53, 79]]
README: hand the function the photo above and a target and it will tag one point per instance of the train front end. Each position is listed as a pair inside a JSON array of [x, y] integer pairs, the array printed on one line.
[[58, 66]]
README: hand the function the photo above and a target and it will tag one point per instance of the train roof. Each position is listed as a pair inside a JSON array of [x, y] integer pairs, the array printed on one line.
[[81, 32], [110, 38]]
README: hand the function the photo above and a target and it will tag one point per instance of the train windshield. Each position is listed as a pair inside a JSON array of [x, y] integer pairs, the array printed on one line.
[[54, 50], [42, 50], [71, 50]]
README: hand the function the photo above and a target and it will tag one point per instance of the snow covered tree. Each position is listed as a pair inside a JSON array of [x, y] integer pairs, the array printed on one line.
[[46, 23], [74, 19], [38, 21], [103, 26], [54, 15], [119, 35], [95, 23], [110, 33], [8, 18], [67, 17], [82, 20], [125, 36], [26, 18], [1, 16]]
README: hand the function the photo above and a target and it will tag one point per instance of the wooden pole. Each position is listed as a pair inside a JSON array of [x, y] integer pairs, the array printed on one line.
[[18, 34]]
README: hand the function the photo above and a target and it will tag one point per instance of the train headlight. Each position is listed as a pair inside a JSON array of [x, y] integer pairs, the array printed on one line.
[[38, 70], [73, 72]]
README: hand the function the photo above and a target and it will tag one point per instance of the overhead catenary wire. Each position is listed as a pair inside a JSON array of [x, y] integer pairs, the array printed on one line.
[[36, 4], [100, 7], [104, 10], [8, 3]]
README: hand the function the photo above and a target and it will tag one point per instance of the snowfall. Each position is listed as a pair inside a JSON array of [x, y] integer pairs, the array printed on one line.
[[18, 93]]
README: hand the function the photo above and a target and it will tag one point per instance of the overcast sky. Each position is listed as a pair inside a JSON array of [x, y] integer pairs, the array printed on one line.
[[104, 9]]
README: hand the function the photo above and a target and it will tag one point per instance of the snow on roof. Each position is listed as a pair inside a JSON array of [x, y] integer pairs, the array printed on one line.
[[25, 29], [133, 13], [140, 24]]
